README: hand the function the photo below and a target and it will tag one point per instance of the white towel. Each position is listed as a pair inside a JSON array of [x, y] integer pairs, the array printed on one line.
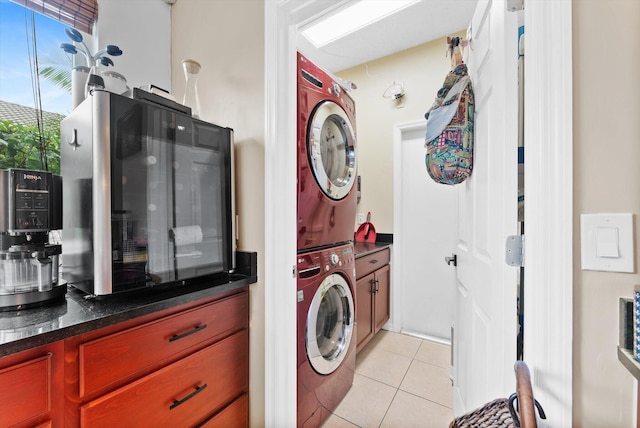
[[186, 235]]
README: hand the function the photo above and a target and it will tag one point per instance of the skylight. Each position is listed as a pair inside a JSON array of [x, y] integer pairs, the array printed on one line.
[[353, 18]]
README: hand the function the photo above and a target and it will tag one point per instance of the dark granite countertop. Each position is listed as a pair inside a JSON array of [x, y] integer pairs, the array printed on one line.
[[363, 248], [30, 328]]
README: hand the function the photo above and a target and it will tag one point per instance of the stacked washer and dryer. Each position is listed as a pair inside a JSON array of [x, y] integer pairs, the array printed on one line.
[[326, 211]]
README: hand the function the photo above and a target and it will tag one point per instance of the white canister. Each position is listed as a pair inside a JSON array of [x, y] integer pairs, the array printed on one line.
[[79, 75], [114, 82]]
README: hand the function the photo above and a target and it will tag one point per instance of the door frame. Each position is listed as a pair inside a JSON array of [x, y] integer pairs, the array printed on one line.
[[549, 252], [396, 320], [548, 212]]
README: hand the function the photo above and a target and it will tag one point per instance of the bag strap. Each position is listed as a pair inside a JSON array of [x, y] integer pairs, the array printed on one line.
[[439, 117], [456, 90]]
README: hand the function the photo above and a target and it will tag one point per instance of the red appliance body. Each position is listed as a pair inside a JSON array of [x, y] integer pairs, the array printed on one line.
[[319, 394], [326, 205]]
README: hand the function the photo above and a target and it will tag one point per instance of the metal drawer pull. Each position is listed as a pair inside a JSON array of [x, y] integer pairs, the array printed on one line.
[[187, 333], [197, 391], [374, 285], [374, 261]]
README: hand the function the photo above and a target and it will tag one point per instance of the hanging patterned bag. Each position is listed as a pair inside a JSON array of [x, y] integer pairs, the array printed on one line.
[[449, 138]]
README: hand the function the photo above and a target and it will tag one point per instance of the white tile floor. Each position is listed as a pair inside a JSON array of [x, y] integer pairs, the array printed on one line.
[[400, 381]]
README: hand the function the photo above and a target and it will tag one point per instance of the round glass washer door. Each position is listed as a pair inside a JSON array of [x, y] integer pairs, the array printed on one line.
[[332, 150], [330, 324]]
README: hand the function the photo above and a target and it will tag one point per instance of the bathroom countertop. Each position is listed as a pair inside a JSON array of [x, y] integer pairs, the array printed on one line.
[[78, 314]]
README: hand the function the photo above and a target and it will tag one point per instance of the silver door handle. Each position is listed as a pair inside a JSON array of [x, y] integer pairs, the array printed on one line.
[[453, 259]]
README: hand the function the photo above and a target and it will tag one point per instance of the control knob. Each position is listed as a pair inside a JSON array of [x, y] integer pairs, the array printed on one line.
[[334, 259], [335, 89]]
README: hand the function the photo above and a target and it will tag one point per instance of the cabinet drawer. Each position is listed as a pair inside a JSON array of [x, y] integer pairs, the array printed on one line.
[[234, 415], [111, 358], [25, 391], [181, 394], [367, 264]]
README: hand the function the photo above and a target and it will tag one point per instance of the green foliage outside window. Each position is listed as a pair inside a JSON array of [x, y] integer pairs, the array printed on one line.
[[20, 146]]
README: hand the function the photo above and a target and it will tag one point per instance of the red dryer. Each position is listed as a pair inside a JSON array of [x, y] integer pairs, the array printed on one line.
[[326, 331], [327, 161]]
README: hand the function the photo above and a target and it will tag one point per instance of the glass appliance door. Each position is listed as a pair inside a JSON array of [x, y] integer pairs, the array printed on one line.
[[330, 324], [169, 193], [332, 150]]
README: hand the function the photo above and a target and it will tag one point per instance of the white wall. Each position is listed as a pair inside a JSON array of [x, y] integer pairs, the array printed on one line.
[[227, 38], [142, 29], [422, 70], [606, 60]]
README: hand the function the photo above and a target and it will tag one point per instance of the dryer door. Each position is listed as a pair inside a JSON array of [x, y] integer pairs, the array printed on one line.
[[332, 150], [330, 324]]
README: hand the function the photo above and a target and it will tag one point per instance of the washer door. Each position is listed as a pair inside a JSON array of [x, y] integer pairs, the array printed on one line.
[[332, 150], [330, 324]]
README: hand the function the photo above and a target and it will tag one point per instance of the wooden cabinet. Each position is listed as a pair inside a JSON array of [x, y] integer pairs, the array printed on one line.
[[183, 367], [373, 281], [235, 414], [31, 388], [140, 346], [181, 394]]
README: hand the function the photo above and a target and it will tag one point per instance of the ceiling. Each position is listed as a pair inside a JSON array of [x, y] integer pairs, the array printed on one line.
[[416, 24]]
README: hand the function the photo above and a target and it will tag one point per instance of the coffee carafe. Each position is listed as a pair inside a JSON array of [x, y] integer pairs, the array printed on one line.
[[30, 208]]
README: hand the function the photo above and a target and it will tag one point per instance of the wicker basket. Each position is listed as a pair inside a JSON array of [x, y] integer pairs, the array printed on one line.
[[502, 412], [495, 414]]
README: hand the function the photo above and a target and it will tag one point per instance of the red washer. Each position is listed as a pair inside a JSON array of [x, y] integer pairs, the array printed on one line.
[[325, 331], [327, 161]]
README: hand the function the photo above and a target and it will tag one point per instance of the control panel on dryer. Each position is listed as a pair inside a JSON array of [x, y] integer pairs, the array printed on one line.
[[337, 257]]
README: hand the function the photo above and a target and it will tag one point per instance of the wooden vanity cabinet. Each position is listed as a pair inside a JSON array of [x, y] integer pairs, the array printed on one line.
[[32, 387], [186, 366], [373, 282]]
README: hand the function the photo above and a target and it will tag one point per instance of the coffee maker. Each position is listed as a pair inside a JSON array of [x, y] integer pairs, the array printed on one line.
[[30, 208]]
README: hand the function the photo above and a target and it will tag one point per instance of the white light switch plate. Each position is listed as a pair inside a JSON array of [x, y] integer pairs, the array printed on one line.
[[607, 242]]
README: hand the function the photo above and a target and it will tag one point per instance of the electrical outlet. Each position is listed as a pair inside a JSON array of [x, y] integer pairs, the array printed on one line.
[[360, 218]]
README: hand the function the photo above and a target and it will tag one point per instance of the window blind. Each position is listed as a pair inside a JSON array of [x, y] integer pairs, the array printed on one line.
[[79, 14]]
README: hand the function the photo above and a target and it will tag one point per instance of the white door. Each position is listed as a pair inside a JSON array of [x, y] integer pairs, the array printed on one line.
[[427, 210], [484, 344]]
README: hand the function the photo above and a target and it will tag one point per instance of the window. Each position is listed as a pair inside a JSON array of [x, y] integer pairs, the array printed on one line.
[[34, 87]]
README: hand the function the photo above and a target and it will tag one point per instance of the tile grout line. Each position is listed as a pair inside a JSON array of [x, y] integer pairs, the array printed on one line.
[[388, 407], [398, 388], [426, 399], [396, 393]]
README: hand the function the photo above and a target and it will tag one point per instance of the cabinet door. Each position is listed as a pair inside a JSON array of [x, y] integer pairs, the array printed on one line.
[[364, 310], [381, 297], [31, 388]]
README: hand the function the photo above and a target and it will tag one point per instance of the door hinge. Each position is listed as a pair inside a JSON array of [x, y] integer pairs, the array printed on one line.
[[514, 250]]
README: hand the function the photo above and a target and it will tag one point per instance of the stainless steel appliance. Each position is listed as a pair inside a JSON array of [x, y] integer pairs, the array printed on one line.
[[31, 208], [148, 194]]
